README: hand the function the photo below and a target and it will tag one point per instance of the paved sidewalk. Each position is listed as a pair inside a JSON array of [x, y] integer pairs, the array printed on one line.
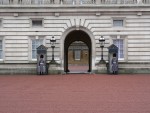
[[78, 68], [75, 93]]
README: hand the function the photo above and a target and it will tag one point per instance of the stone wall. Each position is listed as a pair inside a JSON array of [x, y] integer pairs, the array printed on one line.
[[83, 61], [16, 32]]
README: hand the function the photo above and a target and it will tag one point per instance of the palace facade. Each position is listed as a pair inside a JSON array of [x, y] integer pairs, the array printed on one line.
[[77, 26]]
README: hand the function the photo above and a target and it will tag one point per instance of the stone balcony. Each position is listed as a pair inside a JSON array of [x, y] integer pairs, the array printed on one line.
[[74, 2]]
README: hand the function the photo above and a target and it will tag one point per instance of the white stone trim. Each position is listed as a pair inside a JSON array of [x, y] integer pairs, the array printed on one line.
[[119, 18]]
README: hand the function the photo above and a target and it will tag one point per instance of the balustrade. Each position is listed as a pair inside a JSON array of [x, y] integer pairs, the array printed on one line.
[[87, 2], [71, 2], [120, 2]]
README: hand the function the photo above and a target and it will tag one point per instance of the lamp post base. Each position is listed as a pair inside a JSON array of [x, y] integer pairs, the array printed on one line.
[[102, 61], [101, 67], [53, 62]]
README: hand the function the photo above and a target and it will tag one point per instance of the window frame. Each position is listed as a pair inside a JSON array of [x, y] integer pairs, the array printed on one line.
[[30, 46], [118, 18], [77, 54], [119, 51], [36, 19], [114, 37]]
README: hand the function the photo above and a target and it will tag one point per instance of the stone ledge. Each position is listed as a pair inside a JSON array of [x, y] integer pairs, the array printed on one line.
[[74, 8], [134, 70], [11, 71], [54, 69]]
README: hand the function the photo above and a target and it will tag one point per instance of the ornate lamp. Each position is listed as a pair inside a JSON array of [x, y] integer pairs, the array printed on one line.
[[53, 42], [102, 43]]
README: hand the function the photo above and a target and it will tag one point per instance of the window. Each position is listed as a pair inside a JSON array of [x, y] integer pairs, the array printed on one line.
[[1, 49], [117, 23], [77, 54], [37, 23], [35, 43], [120, 44]]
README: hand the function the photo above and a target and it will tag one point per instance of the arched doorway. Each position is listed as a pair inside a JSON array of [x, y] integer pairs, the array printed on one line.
[[77, 38]]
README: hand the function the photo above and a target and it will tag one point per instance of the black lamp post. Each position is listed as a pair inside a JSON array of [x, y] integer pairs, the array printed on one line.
[[53, 42], [102, 43]]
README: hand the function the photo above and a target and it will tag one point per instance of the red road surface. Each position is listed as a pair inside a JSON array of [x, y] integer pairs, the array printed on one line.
[[75, 94]]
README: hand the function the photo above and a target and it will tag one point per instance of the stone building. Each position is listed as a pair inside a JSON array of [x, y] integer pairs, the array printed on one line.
[[26, 24]]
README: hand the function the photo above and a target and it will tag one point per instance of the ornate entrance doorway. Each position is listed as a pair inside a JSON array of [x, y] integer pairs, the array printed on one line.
[[77, 52]]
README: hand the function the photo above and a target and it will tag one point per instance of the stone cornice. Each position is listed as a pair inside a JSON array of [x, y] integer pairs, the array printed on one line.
[[73, 8]]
